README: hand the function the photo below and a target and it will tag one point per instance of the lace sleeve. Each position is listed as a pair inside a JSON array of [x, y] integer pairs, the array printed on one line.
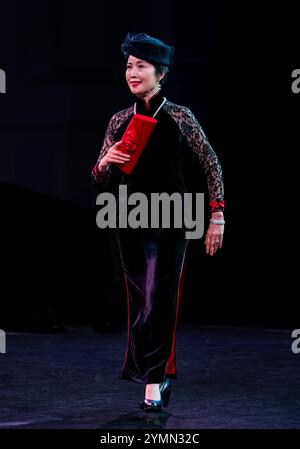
[[108, 141], [110, 138], [197, 140]]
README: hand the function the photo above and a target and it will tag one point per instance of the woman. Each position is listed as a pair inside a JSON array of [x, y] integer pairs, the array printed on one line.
[[153, 258]]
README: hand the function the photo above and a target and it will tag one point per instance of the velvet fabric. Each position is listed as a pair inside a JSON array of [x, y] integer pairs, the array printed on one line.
[[153, 259]]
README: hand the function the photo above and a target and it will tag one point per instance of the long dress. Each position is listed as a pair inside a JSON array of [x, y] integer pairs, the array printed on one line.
[[153, 259]]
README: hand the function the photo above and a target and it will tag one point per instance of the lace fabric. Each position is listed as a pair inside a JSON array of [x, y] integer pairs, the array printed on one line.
[[195, 138], [198, 142], [109, 140]]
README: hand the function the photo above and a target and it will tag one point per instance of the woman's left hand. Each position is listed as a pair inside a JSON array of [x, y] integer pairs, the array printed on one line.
[[214, 235]]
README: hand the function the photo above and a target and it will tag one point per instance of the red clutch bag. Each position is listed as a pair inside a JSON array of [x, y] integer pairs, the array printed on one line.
[[134, 139]]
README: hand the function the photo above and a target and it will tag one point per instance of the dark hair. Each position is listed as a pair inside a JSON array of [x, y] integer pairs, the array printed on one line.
[[159, 69]]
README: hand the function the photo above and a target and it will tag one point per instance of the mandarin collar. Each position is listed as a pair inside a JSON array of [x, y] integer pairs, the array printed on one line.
[[153, 103]]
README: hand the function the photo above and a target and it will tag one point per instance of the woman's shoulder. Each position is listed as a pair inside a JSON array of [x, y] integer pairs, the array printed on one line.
[[120, 117], [123, 113], [178, 110]]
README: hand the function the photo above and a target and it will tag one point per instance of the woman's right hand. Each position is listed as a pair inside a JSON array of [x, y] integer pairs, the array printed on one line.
[[113, 156]]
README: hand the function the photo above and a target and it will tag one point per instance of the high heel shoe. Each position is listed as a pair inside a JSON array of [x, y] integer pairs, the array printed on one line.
[[165, 392], [152, 405]]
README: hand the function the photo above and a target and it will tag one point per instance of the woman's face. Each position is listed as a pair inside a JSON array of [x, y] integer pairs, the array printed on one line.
[[143, 74]]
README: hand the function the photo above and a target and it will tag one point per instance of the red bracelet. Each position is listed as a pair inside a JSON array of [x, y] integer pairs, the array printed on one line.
[[95, 169], [217, 205]]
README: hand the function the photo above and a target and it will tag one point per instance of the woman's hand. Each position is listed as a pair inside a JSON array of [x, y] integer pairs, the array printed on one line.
[[113, 156], [214, 235]]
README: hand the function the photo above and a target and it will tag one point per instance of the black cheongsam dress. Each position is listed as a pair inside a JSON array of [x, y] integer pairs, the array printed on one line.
[[153, 259]]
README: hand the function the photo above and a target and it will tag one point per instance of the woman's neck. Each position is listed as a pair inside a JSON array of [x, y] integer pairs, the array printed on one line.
[[147, 97]]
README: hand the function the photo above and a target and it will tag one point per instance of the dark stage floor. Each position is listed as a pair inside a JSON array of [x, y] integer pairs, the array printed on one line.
[[227, 378]]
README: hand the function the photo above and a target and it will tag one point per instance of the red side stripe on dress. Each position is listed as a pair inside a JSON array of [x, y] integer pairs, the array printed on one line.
[[171, 365]]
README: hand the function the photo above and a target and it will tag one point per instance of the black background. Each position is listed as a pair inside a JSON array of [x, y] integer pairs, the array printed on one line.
[[65, 79]]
